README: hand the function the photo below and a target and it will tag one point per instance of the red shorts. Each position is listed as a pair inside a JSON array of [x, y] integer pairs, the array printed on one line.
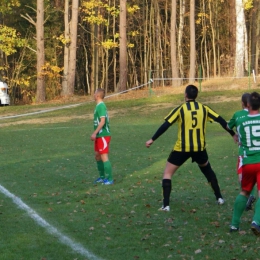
[[101, 144], [239, 164], [250, 176]]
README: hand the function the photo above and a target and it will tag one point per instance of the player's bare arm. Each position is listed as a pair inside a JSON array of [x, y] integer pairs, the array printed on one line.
[[158, 133], [149, 143], [100, 125], [235, 136]]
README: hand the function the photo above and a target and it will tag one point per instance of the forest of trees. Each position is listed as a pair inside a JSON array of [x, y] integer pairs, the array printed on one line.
[[52, 48]]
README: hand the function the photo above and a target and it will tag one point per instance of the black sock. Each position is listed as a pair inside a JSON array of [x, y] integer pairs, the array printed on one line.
[[212, 179], [167, 187]]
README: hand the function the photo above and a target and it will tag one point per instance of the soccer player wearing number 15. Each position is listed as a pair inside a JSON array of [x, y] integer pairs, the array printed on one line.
[[249, 136], [191, 118]]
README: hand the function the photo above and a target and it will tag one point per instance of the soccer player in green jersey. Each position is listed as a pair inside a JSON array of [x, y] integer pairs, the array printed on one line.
[[249, 134], [234, 122], [101, 137], [191, 118]]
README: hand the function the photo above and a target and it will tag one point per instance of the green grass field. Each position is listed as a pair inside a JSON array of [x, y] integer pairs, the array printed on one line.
[[47, 161]]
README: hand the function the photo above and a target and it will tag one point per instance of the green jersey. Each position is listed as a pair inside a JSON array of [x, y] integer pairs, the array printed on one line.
[[235, 121], [249, 132], [101, 111]]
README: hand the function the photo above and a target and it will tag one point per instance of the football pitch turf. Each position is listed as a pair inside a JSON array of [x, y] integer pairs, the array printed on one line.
[[50, 209]]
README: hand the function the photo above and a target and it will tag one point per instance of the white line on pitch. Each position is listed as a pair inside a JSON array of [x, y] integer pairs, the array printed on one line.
[[52, 230], [43, 128], [73, 105]]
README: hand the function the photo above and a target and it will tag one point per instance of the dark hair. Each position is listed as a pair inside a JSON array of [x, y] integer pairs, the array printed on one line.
[[191, 91], [254, 101], [101, 91], [245, 98]]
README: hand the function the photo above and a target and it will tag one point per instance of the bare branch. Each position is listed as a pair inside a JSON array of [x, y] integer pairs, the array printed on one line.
[[46, 19], [29, 19], [31, 48], [31, 8]]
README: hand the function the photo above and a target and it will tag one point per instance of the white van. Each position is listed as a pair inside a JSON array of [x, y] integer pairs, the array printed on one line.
[[4, 97]]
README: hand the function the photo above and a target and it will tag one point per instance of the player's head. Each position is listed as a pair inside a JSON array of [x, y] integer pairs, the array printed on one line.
[[254, 101], [244, 99], [191, 92], [99, 93]]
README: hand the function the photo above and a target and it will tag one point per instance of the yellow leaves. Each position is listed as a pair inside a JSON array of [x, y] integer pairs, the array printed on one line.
[[109, 44], [203, 15], [96, 12], [21, 82], [113, 10], [7, 5], [96, 19], [132, 9], [14, 3], [130, 45], [91, 4], [248, 4], [116, 35], [9, 40], [134, 33], [198, 21], [51, 70], [64, 40]]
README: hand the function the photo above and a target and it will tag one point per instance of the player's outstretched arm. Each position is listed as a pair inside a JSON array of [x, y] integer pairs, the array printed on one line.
[[235, 136], [158, 133], [236, 139], [149, 143], [223, 123]]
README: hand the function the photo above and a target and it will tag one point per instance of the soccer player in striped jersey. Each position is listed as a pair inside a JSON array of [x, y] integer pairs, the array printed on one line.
[[234, 122], [101, 137], [191, 118], [249, 133]]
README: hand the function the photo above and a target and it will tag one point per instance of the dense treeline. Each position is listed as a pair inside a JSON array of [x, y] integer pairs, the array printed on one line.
[[64, 47]]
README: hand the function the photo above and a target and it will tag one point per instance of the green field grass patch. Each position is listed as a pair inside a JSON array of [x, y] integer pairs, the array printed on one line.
[[51, 168]]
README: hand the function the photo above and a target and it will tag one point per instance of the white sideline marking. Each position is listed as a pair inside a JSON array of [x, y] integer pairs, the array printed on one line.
[[41, 112], [73, 105], [52, 230]]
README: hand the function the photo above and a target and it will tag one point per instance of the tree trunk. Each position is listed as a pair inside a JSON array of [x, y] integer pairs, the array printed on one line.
[[40, 93], [65, 89], [92, 72], [232, 33], [174, 62], [145, 59], [257, 38], [114, 51], [122, 48], [192, 42], [253, 34], [180, 36], [157, 42], [73, 46], [95, 57], [246, 61], [87, 71], [204, 50], [213, 33], [240, 39]]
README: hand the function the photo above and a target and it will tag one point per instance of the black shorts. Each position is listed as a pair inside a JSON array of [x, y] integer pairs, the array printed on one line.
[[179, 158]]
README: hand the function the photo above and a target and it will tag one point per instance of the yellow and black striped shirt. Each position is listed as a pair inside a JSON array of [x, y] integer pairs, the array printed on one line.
[[191, 118]]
